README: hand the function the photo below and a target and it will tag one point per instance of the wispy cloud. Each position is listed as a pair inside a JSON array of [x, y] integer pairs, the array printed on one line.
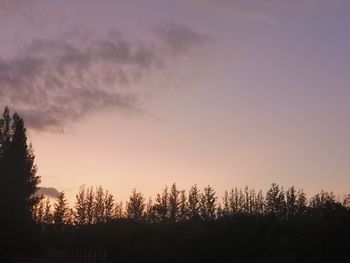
[[180, 39], [11, 7], [48, 191], [54, 81]]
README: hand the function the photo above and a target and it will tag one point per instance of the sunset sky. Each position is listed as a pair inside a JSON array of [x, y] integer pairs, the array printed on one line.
[[142, 94]]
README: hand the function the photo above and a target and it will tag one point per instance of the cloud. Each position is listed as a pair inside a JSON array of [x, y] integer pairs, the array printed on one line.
[[48, 191], [180, 39], [51, 82], [10, 7]]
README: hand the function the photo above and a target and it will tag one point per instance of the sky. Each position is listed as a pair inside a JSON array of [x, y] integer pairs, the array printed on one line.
[[141, 94]]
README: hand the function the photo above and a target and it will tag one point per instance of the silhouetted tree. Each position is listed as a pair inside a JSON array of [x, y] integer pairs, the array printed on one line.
[[324, 204], [183, 206], [161, 206], [193, 204], [99, 206], [260, 203], [108, 207], [19, 180], [236, 200], [208, 204], [47, 217], [275, 201], [301, 204], [150, 211], [118, 210], [246, 201], [136, 206], [174, 203], [61, 210], [17, 170], [346, 201], [80, 213], [225, 209], [38, 211], [291, 202], [90, 205]]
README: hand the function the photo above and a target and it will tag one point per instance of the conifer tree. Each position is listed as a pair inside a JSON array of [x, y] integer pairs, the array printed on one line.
[[301, 203], [17, 171], [108, 206], [38, 212], [99, 205], [275, 201], [260, 203], [183, 206], [47, 217], [90, 203], [136, 206], [291, 202], [193, 204], [80, 213], [225, 209], [174, 203], [150, 211], [119, 210], [208, 204], [161, 206], [61, 210]]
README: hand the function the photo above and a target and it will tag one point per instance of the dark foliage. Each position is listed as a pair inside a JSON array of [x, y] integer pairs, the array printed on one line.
[[19, 185]]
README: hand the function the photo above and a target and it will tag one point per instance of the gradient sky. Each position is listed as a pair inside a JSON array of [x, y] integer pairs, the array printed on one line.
[[141, 94]]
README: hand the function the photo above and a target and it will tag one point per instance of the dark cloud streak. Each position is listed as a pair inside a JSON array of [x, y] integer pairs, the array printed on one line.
[[180, 39], [52, 81]]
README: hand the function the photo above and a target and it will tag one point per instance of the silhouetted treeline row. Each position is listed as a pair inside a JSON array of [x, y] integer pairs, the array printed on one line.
[[197, 226], [173, 205]]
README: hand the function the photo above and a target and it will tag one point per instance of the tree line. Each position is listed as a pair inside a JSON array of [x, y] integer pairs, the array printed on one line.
[[95, 205]]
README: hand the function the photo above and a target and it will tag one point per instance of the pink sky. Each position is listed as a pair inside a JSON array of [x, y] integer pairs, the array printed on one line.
[[142, 94]]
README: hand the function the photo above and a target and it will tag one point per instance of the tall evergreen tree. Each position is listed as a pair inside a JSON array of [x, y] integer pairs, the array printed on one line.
[[90, 203], [136, 206], [61, 210], [183, 206], [47, 217], [225, 209], [119, 210], [174, 203], [17, 170], [291, 202], [80, 212], [193, 204], [38, 211], [236, 200], [18, 176], [301, 203], [260, 203], [208, 204], [99, 205], [150, 211], [161, 206], [108, 207], [275, 201]]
